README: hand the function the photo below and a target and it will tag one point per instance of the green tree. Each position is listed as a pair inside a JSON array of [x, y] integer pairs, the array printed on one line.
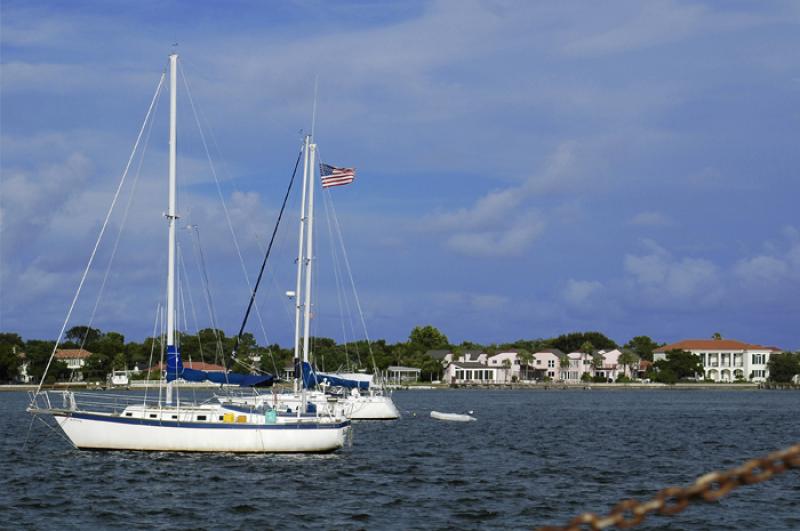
[[97, 367], [626, 359], [119, 363], [563, 363], [679, 364], [82, 335], [642, 346], [716, 335], [586, 349], [38, 354], [783, 366], [424, 338], [11, 346], [109, 344], [572, 342], [525, 360]]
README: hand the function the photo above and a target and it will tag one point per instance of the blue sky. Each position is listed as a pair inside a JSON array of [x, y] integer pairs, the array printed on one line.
[[525, 169]]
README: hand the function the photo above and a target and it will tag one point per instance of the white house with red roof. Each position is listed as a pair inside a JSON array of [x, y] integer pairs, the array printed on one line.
[[725, 360], [74, 359]]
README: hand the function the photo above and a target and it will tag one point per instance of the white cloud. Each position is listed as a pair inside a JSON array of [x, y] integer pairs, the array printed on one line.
[[31, 199], [761, 269], [774, 270], [647, 24], [511, 239], [659, 278], [500, 223], [579, 292]]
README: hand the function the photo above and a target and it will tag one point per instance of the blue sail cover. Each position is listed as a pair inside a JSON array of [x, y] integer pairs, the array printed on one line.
[[311, 378], [175, 370]]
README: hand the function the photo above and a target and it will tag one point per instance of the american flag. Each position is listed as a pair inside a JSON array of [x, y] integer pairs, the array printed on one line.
[[333, 176]]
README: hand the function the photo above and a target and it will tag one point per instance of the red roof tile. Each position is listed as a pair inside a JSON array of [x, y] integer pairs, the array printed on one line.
[[710, 344], [72, 353]]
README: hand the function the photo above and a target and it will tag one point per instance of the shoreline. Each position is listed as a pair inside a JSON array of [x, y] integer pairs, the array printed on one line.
[[471, 387]]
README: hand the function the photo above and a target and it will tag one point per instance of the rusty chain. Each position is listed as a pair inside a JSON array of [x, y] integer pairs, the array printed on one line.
[[672, 500]]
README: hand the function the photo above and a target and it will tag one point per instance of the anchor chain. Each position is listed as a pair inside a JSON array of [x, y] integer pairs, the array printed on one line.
[[672, 500]]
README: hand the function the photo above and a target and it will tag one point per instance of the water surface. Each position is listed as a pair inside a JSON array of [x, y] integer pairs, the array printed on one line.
[[533, 458]]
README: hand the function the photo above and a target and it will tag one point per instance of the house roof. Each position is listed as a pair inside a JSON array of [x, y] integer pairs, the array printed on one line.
[[196, 365], [401, 368], [437, 354], [470, 365], [555, 351], [710, 344], [72, 353]]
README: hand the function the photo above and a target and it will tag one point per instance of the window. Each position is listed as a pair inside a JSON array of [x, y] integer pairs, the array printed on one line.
[[539, 362], [174, 417], [152, 415], [551, 364], [201, 417], [759, 359], [760, 373], [128, 414], [221, 417]]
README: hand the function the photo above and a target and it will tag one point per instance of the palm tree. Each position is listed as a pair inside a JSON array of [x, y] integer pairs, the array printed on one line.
[[598, 360], [586, 349], [563, 362], [525, 359], [507, 367], [626, 359]]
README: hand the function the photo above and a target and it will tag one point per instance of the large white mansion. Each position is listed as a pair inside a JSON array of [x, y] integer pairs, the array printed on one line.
[[725, 360]]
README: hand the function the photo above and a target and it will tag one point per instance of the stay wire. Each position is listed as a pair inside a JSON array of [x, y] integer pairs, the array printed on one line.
[[122, 225], [222, 199], [266, 257], [100, 235]]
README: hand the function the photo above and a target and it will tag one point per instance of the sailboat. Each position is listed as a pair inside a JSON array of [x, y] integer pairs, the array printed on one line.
[[127, 422], [357, 396]]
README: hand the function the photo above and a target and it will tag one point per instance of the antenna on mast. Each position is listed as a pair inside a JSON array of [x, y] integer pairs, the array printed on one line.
[[314, 109]]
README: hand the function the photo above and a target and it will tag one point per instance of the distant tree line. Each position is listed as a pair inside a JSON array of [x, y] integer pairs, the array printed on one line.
[[110, 352]]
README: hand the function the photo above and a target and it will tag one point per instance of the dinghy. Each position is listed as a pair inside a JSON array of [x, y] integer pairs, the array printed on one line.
[[452, 417]]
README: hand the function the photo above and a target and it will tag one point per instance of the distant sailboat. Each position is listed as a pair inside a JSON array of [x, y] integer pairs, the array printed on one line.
[[127, 422], [358, 399]]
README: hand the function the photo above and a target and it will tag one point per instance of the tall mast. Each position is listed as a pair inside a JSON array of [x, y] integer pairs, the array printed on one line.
[[300, 262], [171, 215], [312, 148]]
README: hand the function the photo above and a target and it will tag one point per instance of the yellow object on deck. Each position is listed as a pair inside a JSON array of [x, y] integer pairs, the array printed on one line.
[[241, 418], [227, 417]]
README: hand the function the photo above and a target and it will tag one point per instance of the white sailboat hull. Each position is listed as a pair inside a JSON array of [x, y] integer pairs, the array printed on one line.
[[362, 407], [106, 432], [377, 407]]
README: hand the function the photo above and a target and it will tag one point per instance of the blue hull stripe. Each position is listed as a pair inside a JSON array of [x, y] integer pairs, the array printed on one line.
[[212, 425]]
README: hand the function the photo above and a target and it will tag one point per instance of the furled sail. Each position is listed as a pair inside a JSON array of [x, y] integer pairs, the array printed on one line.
[[175, 370], [312, 378]]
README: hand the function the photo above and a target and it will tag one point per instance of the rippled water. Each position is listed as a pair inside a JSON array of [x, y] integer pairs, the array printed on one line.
[[533, 458]]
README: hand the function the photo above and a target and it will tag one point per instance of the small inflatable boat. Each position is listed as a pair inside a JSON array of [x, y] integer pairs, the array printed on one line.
[[453, 417]]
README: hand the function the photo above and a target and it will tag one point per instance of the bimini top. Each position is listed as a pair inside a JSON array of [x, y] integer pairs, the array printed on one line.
[[311, 379], [176, 370]]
